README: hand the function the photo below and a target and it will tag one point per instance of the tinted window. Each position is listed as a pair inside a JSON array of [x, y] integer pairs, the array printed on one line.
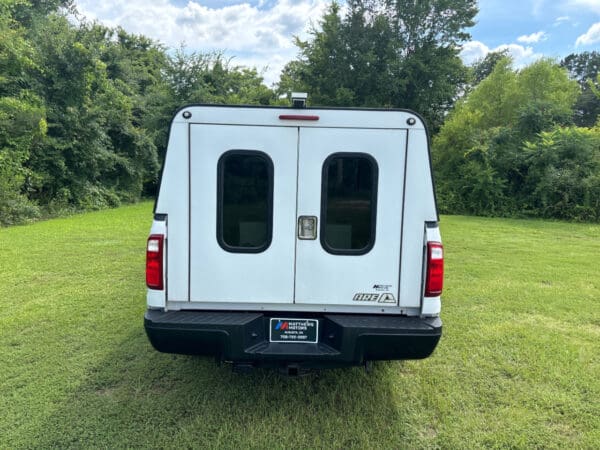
[[244, 204], [349, 196]]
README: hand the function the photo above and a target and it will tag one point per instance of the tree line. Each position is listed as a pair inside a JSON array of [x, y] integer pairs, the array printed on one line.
[[524, 143], [85, 109]]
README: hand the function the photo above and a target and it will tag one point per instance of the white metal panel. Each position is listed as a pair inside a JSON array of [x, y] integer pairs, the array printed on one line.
[[328, 118], [327, 279], [218, 275], [419, 207], [173, 201]]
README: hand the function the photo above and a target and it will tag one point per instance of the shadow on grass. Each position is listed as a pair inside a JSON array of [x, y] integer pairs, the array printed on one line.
[[136, 397]]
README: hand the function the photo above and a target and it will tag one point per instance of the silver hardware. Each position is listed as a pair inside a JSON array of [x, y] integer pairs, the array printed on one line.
[[307, 227]]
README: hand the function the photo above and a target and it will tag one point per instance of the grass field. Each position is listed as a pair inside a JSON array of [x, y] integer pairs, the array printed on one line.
[[518, 365]]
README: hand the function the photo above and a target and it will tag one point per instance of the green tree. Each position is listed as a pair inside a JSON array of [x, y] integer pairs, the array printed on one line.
[[585, 69], [94, 82], [192, 77], [85, 109], [397, 53], [324, 69], [478, 155], [483, 67], [22, 117], [564, 173]]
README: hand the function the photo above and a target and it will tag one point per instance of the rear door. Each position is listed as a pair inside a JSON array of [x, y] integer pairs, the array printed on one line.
[[350, 186], [242, 213]]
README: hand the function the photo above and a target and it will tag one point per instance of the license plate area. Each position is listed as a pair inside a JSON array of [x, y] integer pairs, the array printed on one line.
[[293, 330]]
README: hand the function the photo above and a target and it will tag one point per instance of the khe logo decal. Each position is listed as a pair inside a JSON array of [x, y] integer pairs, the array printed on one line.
[[365, 297]]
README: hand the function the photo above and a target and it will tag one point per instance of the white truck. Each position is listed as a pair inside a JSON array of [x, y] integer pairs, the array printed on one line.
[[295, 238]]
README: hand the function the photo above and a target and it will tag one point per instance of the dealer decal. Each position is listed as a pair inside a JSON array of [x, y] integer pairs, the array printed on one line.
[[282, 325]]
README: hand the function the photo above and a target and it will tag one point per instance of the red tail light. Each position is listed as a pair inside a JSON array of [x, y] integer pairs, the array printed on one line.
[[434, 282], [154, 262], [297, 117]]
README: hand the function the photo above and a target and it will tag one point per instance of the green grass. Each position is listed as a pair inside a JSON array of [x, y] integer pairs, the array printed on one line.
[[518, 366]]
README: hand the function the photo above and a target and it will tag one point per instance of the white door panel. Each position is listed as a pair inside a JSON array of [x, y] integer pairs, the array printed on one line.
[[325, 278], [217, 275]]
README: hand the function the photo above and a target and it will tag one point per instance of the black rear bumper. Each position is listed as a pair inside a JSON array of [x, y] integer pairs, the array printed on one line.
[[243, 337]]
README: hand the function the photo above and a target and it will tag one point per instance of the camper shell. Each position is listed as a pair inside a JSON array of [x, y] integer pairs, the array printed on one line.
[[295, 238]]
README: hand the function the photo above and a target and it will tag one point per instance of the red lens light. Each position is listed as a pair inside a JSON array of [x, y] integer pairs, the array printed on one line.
[[297, 117], [434, 282], [154, 262]]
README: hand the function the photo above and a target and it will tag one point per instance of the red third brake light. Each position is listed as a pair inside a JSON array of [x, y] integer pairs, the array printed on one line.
[[154, 261], [297, 117], [434, 282]]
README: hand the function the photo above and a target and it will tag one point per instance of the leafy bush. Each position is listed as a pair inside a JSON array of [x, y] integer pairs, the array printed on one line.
[[14, 206], [509, 148], [564, 172]]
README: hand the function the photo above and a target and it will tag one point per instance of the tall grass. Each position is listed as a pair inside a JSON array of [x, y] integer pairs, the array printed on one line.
[[518, 365]]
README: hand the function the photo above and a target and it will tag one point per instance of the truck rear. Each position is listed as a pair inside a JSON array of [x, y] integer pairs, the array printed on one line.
[[295, 238]]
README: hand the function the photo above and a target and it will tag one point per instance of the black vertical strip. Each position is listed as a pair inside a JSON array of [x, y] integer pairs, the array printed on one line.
[[423, 268], [297, 213], [403, 214], [189, 213]]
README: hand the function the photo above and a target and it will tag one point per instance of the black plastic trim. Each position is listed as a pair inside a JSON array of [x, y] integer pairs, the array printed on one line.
[[271, 173], [243, 337], [428, 136], [160, 217], [374, 195]]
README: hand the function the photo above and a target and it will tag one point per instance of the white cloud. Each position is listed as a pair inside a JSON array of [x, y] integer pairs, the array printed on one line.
[[533, 37], [537, 6], [522, 56], [590, 5], [262, 37], [560, 20], [590, 37], [473, 51]]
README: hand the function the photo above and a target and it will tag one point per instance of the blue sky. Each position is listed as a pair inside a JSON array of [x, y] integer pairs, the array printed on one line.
[[260, 33], [536, 28]]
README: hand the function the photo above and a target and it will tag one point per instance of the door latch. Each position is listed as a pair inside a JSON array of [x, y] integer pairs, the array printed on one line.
[[307, 227]]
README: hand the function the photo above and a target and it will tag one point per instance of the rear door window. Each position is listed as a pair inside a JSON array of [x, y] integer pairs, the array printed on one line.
[[349, 203], [245, 201]]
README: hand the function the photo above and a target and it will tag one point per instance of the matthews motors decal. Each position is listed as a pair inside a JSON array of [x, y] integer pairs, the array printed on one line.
[[294, 330], [386, 297]]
